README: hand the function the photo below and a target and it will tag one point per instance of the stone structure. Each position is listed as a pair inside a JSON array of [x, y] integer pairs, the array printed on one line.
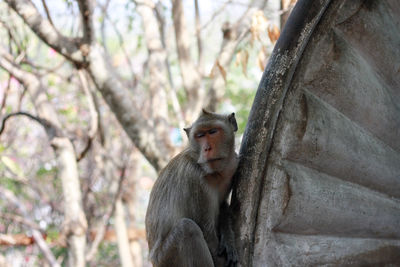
[[319, 179]]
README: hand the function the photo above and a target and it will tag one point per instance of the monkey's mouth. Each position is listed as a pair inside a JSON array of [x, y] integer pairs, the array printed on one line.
[[209, 161], [213, 160]]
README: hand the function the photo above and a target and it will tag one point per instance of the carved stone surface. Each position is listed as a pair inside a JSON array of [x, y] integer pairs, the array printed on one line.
[[319, 177]]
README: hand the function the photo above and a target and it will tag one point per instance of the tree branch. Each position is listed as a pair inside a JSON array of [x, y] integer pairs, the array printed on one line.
[[158, 83], [70, 48], [172, 94], [120, 40], [190, 76], [139, 129], [94, 115], [215, 14], [86, 10], [198, 37], [51, 129], [5, 95], [46, 9]]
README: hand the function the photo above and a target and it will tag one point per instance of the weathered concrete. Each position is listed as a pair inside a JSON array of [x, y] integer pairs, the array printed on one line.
[[319, 177]]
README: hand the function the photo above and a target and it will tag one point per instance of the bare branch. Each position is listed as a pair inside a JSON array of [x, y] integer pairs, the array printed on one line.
[[139, 129], [44, 30], [190, 76], [12, 34], [198, 36], [42, 70], [162, 23], [5, 95], [216, 14], [158, 83], [120, 40], [46, 9], [86, 10], [51, 129], [93, 114], [172, 94], [7, 63]]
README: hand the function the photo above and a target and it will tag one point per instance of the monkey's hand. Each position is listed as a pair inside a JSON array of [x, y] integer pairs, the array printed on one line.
[[227, 250]]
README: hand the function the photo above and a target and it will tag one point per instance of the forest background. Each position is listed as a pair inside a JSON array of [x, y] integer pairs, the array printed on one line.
[[93, 99]]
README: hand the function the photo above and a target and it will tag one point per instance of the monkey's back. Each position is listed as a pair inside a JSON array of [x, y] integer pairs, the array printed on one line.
[[187, 198]]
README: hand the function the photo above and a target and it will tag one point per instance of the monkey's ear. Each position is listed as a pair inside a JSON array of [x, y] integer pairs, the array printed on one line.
[[232, 120], [187, 131], [205, 112]]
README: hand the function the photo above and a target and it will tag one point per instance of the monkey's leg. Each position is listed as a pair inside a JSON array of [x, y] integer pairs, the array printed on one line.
[[185, 246]]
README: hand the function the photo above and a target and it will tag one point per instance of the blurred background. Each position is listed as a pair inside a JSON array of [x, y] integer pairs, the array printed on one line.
[[93, 99]]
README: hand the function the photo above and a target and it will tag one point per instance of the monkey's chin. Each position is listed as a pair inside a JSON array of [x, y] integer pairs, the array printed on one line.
[[212, 165]]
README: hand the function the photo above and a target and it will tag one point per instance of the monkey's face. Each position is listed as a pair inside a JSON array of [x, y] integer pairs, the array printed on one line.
[[214, 146], [212, 139]]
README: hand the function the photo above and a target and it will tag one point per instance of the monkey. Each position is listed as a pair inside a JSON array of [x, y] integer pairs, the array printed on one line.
[[188, 220]]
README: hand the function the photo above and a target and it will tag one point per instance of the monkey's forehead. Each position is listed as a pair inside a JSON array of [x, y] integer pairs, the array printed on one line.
[[210, 118], [201, 124]]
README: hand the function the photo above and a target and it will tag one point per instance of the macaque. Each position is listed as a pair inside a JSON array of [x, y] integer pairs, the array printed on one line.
[[188, 220]]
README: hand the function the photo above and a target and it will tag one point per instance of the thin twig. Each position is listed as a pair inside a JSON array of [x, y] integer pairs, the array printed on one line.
[[51, 129], [198, 37], [161, 22], [121, 42], [6, 91], [46, 9], [20, 113], [216, 14], [93, 114]]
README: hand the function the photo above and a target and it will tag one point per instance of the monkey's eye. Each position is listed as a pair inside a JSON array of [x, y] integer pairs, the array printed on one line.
[[199, 135], [213, 131]]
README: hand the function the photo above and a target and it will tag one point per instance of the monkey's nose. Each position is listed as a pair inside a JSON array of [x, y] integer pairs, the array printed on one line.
[[207, 148]]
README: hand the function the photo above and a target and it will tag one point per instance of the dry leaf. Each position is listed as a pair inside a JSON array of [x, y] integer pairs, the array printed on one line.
[[262, 58], [221, 70], [244, 60], [273, 33], [259, 24], [238, 58], [213, 70]]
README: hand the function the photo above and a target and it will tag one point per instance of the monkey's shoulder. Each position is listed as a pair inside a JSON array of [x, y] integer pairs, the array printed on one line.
[[182, 167], [181, 183]]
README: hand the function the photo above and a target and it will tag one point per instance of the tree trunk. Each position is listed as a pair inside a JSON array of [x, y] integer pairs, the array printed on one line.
[[74, 220], [130, 199], [122, 235]]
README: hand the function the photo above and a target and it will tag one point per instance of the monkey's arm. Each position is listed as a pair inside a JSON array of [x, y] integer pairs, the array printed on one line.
[[227, 237]]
